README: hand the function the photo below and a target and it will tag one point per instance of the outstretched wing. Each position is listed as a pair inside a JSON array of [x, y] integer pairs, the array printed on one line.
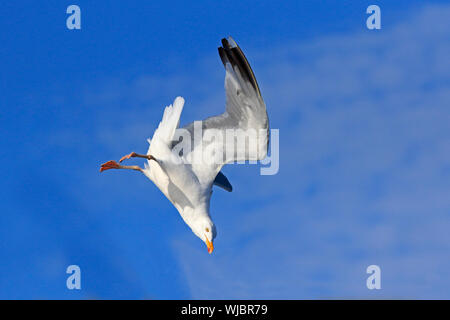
[[240, 133]]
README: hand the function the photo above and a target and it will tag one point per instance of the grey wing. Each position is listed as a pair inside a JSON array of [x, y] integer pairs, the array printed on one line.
[[241, 132]]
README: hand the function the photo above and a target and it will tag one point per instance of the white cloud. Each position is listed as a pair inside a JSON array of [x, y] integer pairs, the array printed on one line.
[[364, 166], [364, 173]]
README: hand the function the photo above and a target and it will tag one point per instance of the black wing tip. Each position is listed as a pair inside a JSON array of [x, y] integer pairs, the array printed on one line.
[[224, 42], [223, 55], [229, 42], [222, 181], [230, 52]]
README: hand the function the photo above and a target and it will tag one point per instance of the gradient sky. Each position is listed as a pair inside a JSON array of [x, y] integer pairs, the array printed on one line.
[[364, 150]]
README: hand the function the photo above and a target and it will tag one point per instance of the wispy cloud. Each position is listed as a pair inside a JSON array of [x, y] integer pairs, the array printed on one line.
[[364, 172]]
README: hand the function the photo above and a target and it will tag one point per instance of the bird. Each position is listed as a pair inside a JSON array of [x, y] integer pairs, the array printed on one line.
[[185, 163]]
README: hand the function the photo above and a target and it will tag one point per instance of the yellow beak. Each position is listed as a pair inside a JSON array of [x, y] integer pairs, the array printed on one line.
[[209, 245]]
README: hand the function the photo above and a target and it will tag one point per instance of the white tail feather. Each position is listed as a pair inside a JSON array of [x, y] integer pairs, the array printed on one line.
[[170, 121]]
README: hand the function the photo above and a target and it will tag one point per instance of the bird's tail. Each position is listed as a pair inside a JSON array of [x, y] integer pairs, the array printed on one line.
[[170, 121]]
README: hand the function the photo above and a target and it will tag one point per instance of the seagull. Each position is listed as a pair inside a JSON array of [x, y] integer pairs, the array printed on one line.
[[185, 163]]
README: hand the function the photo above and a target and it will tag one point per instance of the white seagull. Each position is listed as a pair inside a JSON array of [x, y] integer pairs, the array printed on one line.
[[185, 173]]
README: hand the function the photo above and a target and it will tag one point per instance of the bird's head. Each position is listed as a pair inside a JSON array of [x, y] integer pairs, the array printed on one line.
[[205, 229]]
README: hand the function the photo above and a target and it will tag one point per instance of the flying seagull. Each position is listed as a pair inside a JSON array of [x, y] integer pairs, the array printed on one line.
[[185, 163]]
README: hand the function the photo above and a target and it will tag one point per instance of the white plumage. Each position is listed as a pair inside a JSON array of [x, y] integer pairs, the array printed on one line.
[[185, 169]]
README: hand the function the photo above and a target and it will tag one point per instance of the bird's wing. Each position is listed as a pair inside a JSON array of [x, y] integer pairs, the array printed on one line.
[[222, 181], [160, 146], [241, 132], [170, 121]]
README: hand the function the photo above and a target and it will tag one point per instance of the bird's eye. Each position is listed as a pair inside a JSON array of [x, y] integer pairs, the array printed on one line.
[[207, 230]]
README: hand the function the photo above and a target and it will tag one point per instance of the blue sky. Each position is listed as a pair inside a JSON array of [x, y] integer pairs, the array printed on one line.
[[364, 150]]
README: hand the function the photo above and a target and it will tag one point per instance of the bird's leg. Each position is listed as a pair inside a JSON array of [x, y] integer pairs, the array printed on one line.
[[114, 165], [136, 155]]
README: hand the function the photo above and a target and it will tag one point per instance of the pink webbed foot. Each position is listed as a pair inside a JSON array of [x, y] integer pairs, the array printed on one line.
[[109, 165]]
